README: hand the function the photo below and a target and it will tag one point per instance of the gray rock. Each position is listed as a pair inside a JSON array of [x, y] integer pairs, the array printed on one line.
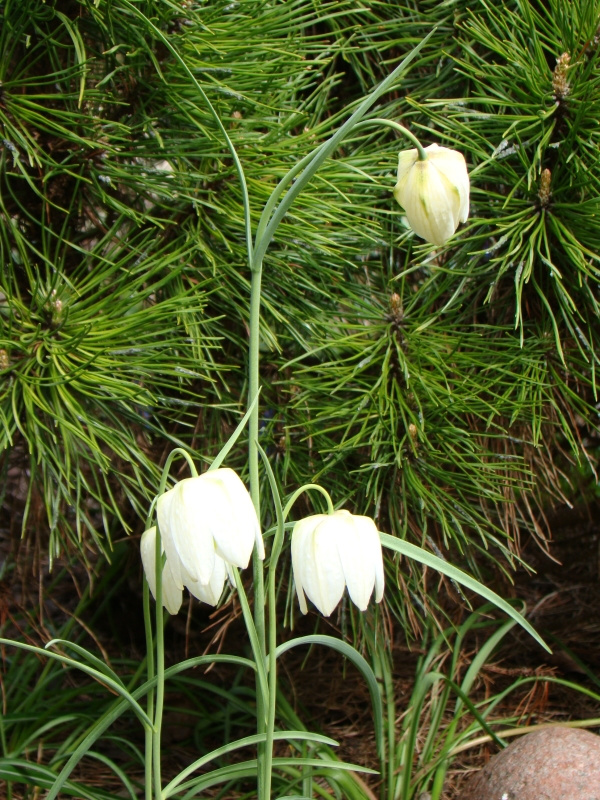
[[550, 764]]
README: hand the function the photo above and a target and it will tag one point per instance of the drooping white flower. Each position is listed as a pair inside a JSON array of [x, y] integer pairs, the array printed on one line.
[[433, 193], [332, 551], [172, 595], [205, 519]]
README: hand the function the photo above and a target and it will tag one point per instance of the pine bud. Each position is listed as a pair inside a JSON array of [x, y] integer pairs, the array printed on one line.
[[560, 85]]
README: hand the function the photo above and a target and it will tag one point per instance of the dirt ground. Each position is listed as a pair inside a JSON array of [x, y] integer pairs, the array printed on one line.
[[563, 603]]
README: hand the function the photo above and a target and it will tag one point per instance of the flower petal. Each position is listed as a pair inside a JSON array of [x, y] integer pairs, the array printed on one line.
[[429, 209], [354, 540], [372, 554], [301, 543], [433, 193], [454, 167], [232, 518], [163, 515], [171, 594], [317, 563], [326, 583], [148, 553], [406, 160], [192, 516], [210, 592]]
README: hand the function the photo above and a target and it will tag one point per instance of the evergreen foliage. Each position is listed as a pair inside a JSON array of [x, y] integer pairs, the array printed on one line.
[[450, 393], [447, 392]]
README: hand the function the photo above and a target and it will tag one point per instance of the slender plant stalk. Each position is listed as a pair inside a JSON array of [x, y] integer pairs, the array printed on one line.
[[390, 738], [272, 663], [253, 467], [389, 123], [272, 629], [269, 221], [153, 743], [252, 635], [160, 673], [236, 160], [148, 732]]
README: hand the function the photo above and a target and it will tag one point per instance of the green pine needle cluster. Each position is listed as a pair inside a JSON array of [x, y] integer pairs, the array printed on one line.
[[450, 393]]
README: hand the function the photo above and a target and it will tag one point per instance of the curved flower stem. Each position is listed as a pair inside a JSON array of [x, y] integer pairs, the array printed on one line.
[[313, 161], [304, 162], [389, 123], [178, 451], [301, 490]]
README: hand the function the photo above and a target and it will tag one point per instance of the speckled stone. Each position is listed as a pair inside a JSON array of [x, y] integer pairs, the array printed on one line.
[[549, 764]]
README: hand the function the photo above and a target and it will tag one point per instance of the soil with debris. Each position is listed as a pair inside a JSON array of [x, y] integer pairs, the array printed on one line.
[[563, 603]]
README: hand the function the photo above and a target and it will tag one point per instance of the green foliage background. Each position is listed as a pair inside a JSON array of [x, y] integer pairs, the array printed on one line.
[[450, 393]]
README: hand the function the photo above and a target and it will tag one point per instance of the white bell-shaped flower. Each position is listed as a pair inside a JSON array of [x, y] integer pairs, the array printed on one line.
[[332, 551], [172, 595], [171, 590], [204, 519], [433, 193]]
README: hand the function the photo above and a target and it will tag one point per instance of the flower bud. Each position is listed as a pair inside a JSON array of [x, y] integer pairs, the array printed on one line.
[[433, 193], [332, 551]]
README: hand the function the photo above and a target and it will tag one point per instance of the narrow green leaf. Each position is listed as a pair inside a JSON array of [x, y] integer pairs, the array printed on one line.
[[455, 574], [351, 654]]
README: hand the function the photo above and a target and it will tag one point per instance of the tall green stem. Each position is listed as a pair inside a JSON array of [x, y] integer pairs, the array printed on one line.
[[153, 744], [272, 659], [160, 672], [237, 163], [253, 384], [267, 760], [148, 732], [259, 581], [267, 225]]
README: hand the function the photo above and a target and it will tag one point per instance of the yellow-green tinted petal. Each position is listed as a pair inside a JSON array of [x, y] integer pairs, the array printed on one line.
[[433, 193], [429, 209], [406, 161], [453, 166]]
